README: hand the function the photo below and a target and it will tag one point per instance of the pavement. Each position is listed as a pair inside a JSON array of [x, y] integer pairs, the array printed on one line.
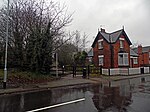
[[66, 81]]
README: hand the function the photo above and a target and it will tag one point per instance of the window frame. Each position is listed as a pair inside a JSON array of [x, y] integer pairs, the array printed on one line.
[[100, 44], [102, 58], [124, 60], [121, 40], [135, 60]]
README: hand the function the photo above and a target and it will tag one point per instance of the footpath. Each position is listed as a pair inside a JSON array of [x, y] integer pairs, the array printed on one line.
[[118, 78], [66, 81]]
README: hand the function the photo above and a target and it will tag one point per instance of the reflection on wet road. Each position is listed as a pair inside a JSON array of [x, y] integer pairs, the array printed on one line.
[[117, 96]]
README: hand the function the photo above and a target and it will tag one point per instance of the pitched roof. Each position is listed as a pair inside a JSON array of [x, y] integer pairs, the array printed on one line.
[[132, 53], [90, 53], [111, 37], [144, 49]]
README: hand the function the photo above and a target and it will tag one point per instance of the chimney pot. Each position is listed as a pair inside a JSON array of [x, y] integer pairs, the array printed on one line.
[[102, 30]]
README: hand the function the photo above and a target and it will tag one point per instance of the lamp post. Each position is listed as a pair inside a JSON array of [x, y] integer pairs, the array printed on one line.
[[5, 68]]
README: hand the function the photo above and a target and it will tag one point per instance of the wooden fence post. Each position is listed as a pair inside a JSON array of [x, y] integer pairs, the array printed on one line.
[[109, 71], [73, 71], [128, 71], [88, 71]]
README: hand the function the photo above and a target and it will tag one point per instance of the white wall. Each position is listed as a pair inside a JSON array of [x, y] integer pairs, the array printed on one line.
[[134, 71], [146, 69], [125, 71]]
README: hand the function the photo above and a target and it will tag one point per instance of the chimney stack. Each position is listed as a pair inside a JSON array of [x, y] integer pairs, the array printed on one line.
[[103, 30], [139, 49]]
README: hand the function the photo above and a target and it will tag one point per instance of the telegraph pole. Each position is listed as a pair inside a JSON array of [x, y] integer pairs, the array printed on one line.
[[5, 68]]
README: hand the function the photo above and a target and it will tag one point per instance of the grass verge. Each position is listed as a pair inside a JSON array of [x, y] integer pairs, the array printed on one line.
[[24, 77]]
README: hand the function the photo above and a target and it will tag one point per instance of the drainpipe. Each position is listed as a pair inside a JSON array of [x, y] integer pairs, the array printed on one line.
[[111, 54]]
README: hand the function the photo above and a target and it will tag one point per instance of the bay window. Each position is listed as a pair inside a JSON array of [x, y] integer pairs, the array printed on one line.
[[123, 59]]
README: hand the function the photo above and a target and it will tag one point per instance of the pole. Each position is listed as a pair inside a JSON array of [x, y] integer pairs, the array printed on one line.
[[5, 68], [56, 65]]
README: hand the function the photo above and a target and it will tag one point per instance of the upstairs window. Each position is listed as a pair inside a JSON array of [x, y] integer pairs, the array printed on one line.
[[101, 59], [123, 59], [100, 44], [121, 42]]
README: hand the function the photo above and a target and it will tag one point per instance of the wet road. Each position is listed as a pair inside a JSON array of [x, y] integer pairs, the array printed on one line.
[[118, 96]]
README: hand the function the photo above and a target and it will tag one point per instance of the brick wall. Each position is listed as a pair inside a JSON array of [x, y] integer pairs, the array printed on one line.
[[107, 53], [143, 57], [117, 49]]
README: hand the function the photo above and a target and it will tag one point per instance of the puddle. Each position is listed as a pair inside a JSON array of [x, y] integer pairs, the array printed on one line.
[[118, 96]]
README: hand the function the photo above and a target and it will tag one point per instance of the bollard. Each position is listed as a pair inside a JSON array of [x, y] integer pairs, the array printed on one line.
[[84, 73]]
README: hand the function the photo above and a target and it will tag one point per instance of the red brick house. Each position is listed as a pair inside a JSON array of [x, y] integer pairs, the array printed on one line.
[[143, 55], [112, 50], [133, 59]]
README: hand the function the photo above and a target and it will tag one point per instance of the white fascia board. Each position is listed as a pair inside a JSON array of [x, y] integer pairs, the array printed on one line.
[[100, 40], [133, 57], [121, 38], [100, 56]]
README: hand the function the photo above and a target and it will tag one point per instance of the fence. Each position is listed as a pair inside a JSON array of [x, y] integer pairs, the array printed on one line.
[[115, 71], [134, 71], [78, 70], [126, 71]]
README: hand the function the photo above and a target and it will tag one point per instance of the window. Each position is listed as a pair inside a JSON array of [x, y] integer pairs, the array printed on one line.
[[121, 42], [101, 59], [100, 44], [135, 61], [123, 59], [90, 59]]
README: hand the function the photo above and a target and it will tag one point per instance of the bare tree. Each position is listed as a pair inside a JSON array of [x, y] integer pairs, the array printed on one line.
[[80, 41], [84, 42], [36, 31]]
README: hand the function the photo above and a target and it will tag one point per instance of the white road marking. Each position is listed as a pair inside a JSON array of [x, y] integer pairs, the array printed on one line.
[[57, 105]]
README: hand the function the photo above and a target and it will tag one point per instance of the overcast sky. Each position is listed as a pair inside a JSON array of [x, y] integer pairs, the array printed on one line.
[[89, 15], [134, 15]]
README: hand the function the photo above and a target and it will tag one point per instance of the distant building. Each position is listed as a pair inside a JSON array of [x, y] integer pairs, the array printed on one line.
[[112, 50], [143, 55]]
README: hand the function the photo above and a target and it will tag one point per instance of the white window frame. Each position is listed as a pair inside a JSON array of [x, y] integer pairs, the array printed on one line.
[[124, 60], [121, 42], [100, 44], [135, 60], [101, 60], [121, 38]]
